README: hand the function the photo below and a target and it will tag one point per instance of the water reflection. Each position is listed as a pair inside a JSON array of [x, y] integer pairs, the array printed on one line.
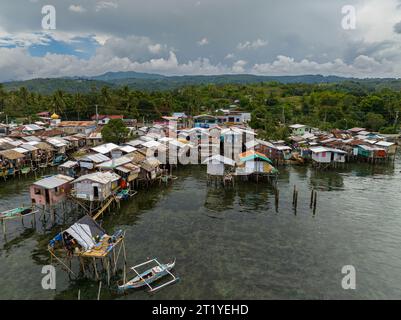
[[223, 239]]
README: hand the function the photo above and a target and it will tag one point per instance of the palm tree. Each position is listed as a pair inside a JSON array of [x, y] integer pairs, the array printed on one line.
[[79, 105], [59, 102]]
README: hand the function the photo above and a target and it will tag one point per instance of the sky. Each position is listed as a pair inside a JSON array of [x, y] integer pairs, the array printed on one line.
[[177, 37]]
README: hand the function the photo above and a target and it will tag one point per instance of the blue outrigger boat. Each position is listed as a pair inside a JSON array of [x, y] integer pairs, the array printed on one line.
[[150, 276]]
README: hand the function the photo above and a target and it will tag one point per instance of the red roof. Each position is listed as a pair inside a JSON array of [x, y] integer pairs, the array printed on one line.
[[104, 116], [43, 114]]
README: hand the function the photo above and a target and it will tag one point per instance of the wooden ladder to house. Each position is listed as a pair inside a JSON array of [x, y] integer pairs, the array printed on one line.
[[108, 203]]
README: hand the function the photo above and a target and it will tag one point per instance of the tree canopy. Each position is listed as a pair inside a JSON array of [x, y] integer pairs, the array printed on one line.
[[115, 131], [272, 105]]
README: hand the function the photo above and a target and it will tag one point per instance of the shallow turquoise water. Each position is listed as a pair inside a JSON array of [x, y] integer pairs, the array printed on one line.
[[232, 244]]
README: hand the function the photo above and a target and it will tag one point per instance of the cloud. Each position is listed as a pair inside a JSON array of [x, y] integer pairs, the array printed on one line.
[[280, 37], [252, 45], [397, 27], [76, 8], [361, 66], [101, 5], [24, 39], [18, 64], [203, 42], [155, 48], [238, 66], [135, 48]]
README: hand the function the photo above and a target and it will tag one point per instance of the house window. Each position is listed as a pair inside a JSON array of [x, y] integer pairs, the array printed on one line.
[[37, 191], [324, 154]]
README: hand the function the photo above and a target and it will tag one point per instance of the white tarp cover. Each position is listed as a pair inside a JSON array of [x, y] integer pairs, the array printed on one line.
[[84, 231], [83, 235]]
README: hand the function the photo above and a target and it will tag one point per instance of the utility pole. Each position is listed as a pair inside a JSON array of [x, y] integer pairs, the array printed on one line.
[[97, 115]]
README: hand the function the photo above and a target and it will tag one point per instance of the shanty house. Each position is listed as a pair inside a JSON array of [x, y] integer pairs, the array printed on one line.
[[109, 149], [4, 129], [89, 161], [390, 147], [205, 121], [11, 158], [327, 155], [253, 162], [298, 129], [366, 151], [128, 171], [69, 168], [103, 119], [73, 127], [50, 190], [150, 169], [216, 165], [97, 186]]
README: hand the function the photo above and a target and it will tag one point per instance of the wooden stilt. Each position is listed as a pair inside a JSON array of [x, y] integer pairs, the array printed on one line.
[[100, 289], [314, 203], [95, 268]]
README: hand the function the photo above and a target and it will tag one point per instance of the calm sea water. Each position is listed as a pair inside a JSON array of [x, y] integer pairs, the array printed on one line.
[[231, 243]]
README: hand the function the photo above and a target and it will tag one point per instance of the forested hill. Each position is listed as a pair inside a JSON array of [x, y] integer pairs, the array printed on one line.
[[156, 82]]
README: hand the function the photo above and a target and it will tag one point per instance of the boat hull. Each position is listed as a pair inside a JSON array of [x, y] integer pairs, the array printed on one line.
[[138, 282]]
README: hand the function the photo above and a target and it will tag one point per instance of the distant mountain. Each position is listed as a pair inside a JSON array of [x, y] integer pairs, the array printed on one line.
[[153, 82], [46, 86], [112, 76]]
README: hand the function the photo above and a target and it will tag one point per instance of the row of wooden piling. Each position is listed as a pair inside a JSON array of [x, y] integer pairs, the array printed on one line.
[[313, 199]]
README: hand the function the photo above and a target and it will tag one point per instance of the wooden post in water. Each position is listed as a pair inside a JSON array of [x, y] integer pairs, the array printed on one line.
[[108, 272], [314, 203], [277, 196], [311, 198], [100, 288], [293, 195], [3, 222]]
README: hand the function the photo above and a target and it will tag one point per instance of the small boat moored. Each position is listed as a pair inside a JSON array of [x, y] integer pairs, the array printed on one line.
[[150, 276]]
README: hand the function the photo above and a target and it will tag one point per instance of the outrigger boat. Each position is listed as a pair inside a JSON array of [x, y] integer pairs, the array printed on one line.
[[17, 212], [150, 276]]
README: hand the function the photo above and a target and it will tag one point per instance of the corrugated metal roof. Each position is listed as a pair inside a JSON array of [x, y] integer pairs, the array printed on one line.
[[128, 149], [53, 182], [32, 127], [96, 158], [100, 177], [105, 148], [21, 150], [135, 143], [151, 144], [68, 164], [251, 155], [220, 159], [31, 138], [28, 147], [385, 143], [57, 142], [111, 164]]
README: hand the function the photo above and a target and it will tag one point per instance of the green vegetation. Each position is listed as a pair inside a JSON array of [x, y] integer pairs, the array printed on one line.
[[273, 105], [115, 131]]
